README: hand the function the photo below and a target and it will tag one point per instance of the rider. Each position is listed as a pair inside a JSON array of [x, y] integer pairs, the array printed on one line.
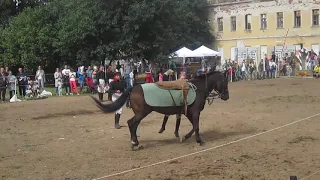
[[116, 89]]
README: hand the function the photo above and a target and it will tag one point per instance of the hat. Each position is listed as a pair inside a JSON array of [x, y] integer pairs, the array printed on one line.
[[116, 74]]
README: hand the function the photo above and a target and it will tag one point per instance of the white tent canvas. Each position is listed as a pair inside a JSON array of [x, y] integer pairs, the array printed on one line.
[[203, 51], [181, 52]]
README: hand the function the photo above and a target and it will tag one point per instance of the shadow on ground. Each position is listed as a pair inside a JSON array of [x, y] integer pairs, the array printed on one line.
[[207, 136]]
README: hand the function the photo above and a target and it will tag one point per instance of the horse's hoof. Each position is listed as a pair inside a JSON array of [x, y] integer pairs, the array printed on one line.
[[136, 147], [182, 139], [132, 147], [202, 143], [161, 130], [176, 134]]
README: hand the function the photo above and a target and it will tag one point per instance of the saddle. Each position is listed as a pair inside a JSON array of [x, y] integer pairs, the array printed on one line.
[[181, 84]]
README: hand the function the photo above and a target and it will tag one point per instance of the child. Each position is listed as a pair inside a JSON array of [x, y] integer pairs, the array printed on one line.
[[35, 89], [29, 89], [160, 77], [73, 84], [59, 88]]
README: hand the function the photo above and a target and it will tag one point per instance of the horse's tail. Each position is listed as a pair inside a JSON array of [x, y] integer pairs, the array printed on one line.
[[108, 108]]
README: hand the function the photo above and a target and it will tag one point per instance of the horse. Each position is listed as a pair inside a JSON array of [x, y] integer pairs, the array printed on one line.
[[204, 83]]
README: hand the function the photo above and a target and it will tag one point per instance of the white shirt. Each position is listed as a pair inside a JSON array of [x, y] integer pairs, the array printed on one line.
[[131, 78], [243, 68], [271, 63], [39, 75], [65, 72], [72, 76]]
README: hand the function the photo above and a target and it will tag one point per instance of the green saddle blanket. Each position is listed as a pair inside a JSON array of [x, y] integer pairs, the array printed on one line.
[[155, 96]]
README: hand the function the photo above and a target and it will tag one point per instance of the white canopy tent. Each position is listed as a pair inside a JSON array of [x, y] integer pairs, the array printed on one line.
[[203, 51], [181, 53]]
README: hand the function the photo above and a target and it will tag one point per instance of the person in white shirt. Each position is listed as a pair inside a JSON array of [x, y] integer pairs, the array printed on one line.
[[273, 68], [40, 77], [243, 70], [65, 77]]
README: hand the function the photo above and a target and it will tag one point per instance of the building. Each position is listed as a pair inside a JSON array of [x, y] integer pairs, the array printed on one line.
[[256, 28]]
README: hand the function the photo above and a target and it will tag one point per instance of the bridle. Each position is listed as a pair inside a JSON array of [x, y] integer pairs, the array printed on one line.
[[210, 96]]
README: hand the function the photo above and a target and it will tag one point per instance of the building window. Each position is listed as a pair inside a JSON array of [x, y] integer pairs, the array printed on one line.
[[315, 17], [263, 19], [279, 20], [220, 24], [248, 22], [233, 23], [297, 19]]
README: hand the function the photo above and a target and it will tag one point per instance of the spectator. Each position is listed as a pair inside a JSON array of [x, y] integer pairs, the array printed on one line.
[[94, 74], [160, 77], [22, 82], [7, 71], [57, 79], [81, 79], [3, 84], [316, 71], [122, 71], [73, 84], [89, 72], [127, 71], [118, 67], [109, 78], [65, 78], [273, 68], [40, 77], [243, 70], [12, 80], [101, 81]]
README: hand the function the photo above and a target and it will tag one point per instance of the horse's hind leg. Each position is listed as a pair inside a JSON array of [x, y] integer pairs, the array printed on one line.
[[165, 120], [133, 125], [178, 121]]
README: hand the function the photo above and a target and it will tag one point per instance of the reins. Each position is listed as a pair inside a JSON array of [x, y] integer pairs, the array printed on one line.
[[210, 96]]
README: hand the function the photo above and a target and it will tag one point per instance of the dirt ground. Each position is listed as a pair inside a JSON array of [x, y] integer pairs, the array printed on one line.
[[68, 138]]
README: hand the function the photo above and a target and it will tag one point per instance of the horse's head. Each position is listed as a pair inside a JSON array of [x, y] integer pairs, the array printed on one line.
[[218, 81]]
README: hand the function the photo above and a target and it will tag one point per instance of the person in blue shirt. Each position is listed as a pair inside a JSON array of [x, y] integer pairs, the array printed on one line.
[[81, 78], [89, 72]]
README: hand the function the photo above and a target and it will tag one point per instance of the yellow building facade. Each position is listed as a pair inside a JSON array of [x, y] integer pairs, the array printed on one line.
[[256, 28]]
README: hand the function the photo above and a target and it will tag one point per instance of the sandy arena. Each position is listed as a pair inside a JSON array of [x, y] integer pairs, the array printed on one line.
[[68, 138]]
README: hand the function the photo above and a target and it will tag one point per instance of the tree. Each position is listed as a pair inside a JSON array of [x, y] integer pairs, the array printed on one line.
[[10, 8], [30, 38], [84, 31], [156, 28]]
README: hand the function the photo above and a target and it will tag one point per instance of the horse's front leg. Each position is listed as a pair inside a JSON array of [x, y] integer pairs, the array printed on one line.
[[188, 135], [178, 121], [195, 119], [164, 122]]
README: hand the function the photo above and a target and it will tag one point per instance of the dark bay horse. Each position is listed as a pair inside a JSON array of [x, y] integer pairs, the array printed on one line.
[[204, 84]]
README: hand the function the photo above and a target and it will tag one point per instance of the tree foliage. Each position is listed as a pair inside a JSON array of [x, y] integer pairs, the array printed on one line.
[[85, 31]]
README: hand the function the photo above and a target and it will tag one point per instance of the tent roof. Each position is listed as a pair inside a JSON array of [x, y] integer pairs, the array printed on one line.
[[202, 52], [181, 52]]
